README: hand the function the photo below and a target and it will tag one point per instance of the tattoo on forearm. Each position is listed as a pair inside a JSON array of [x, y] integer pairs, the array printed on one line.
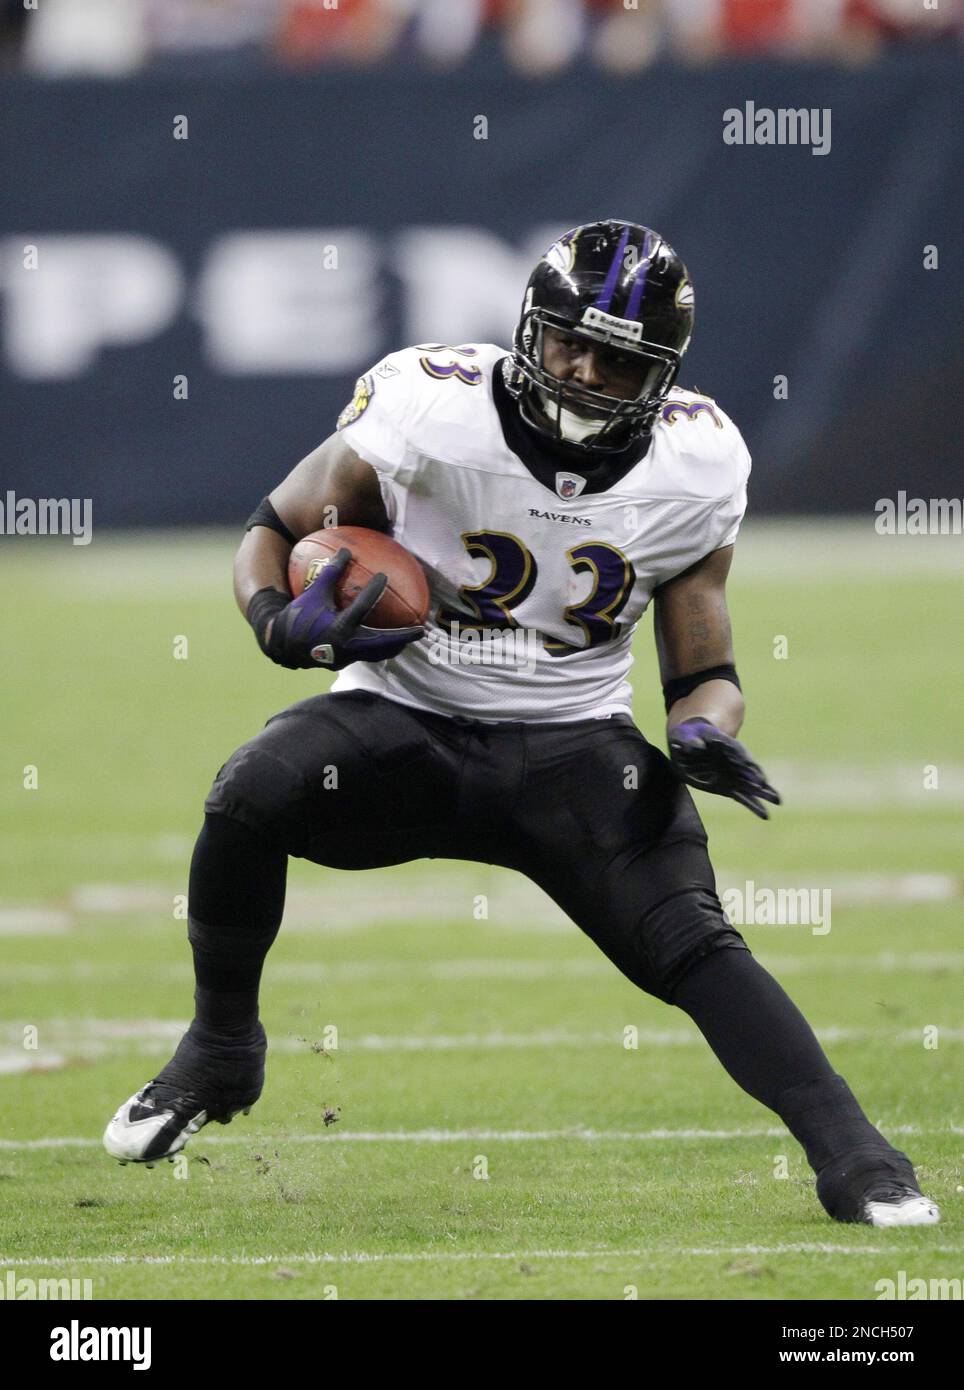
[[707, 630], [697, 630]]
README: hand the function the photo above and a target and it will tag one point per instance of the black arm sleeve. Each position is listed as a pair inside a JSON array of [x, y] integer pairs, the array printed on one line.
[[264, 514]]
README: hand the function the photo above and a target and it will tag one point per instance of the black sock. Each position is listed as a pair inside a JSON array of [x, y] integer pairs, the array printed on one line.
[[235, 905], [769, 1048]]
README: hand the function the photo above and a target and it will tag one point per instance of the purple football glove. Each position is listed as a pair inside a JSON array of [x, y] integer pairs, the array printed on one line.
[[312, 631], [706, 757]]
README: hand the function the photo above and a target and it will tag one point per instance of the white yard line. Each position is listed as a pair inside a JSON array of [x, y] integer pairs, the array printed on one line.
[[448, 895], [99, 1040], [465, 1136], [62, 1041], [497, 968], [30, 920], [467, 1256], [15, 1060]]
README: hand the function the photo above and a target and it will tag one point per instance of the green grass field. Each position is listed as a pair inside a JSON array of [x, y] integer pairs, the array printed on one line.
[[480, 1130]]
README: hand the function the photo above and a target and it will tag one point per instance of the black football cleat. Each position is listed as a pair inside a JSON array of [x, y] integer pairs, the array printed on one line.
[[875, 1184], [208, 1078]]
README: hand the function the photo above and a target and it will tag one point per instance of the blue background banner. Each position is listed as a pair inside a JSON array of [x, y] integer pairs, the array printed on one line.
[[183, 318]]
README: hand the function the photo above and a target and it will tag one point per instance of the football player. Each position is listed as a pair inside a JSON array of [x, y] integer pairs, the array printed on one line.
[[553, 491]]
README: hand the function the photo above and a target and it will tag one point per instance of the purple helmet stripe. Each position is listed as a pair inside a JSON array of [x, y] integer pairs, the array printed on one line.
[[632, 309], [609, 288]]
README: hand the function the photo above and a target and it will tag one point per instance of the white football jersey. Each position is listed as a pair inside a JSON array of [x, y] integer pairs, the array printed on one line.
[[535, 592]]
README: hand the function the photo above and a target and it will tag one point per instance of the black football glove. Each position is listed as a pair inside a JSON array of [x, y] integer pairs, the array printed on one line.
[[311, 631], [707, 758]]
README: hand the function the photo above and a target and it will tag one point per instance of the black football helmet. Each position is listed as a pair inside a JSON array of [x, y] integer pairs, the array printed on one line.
[[619, 284]]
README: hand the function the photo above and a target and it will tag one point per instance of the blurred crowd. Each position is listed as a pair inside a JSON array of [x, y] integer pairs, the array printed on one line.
[[538, 37]]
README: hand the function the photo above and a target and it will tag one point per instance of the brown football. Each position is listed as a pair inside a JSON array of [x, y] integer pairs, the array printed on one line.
[[404, 603]]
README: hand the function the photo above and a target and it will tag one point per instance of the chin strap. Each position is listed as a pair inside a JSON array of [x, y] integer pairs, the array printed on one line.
[[576, 428], [571, 426]]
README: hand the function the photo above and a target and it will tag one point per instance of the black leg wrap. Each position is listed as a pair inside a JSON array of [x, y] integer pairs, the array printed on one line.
[[825, 1118], [844, 1149], [225, 1074], [235, 906], [228, 959]]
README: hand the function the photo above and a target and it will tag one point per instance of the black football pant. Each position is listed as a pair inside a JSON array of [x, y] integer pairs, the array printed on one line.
[[589, 811]]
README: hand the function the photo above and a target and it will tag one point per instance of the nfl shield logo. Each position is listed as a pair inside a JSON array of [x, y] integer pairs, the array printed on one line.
[[315, 568], [569, 485]]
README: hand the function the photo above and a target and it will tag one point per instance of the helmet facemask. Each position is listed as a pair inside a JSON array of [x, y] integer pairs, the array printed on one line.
[[575, 416]]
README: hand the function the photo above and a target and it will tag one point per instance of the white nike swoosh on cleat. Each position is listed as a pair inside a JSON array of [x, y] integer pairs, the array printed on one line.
[[910, 1211]]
